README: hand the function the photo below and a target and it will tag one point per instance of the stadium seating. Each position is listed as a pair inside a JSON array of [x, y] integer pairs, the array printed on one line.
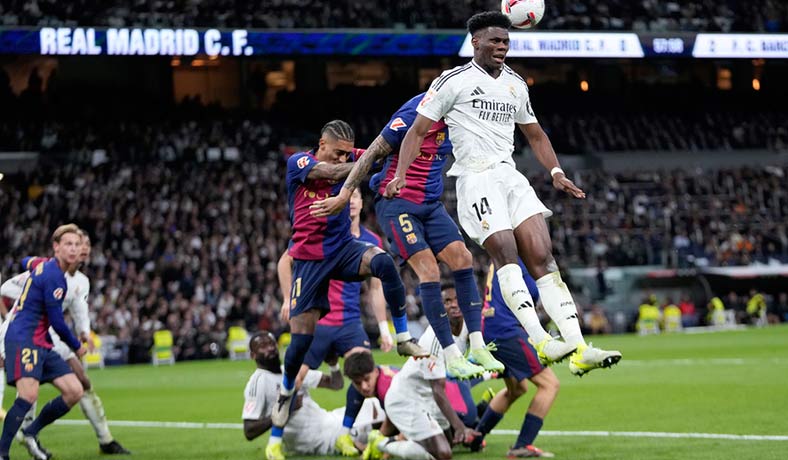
[[692, 15]]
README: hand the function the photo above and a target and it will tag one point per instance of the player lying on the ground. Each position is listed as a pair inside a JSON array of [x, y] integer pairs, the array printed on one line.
[[76, 304], [311, 430], [341, 332], [417, 405]]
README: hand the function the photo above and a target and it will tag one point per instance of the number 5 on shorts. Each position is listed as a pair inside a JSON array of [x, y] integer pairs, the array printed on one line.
[[405, 224]]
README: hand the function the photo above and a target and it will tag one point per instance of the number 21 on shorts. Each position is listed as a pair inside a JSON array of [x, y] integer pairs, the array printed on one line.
[[482, 208]]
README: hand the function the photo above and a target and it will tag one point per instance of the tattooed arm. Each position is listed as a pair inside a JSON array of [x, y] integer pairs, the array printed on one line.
[[378, 150]]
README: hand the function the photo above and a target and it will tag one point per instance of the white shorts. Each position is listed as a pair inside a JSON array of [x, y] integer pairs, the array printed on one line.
[[496, 199], [415, 417]]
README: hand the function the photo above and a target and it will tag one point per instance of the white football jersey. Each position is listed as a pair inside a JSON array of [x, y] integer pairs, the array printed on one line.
[[310, 430], [481, 112], [415, 376]]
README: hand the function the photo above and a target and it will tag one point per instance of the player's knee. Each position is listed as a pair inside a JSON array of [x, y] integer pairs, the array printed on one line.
[[443, 452], [459, 257], [548, 381], [72, 394], [382, 266]]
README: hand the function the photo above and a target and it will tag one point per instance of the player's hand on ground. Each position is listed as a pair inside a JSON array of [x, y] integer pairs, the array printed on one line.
[[83, 350], [393, 188], [386, 343], [561, 182], [284, 312], [328, 207], [461, 434]]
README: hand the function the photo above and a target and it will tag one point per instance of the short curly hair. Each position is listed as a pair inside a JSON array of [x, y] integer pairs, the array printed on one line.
[[487, 19]]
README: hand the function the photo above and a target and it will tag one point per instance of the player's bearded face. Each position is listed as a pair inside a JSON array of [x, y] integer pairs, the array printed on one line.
[[267, 355]]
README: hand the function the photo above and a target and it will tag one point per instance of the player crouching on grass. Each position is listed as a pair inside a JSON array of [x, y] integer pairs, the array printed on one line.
[[311, 429]]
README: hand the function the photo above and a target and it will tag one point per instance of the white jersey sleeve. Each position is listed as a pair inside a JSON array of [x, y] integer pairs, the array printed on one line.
[[257, 401], [312, 379], [441, 96], [79, 285], [525, 115], [12, 288]]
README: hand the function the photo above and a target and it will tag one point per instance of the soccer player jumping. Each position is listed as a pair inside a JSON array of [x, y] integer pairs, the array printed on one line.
[[481, 102]]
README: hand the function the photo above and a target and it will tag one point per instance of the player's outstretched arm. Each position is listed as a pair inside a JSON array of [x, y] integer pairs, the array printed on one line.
[[329, 171], [378, 150], [284, 270], [408, 153], [543, 149], [255, 428], [442, 400]]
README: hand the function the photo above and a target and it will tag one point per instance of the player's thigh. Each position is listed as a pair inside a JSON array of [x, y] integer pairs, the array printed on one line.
[[518, 356], [482, 206], [402, 225], [444, 237], [55, 367], [533, 244], [352, 263], [321, 345], [522, 201], [310, 286], [412, 416], [350, 336]]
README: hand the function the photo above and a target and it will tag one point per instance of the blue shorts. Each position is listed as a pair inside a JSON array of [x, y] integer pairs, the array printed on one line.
[[335, 340], [28, 360], [411, 227], [518, 355], [311, 277]]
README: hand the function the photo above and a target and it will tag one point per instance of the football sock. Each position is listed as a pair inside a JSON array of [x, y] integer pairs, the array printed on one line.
[[13, 420], [52, 411], [531, 426], [353, 402], [30, 415], [558, 303], [469, 301], [276, 435], [294, 357], [518, 299], [489, 420], [94, 411], [433, 308], [383, 267]]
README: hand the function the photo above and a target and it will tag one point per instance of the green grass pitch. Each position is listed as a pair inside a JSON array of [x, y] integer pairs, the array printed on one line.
[[722, 383]]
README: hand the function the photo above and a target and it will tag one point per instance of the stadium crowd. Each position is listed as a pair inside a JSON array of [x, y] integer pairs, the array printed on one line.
[[653, 15]]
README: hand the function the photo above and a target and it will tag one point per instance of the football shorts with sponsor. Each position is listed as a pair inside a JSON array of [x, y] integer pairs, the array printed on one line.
[[412, 227], [335, 341], [311, 277], [518, 356], [416, 417], [23, 359], [498, 198]]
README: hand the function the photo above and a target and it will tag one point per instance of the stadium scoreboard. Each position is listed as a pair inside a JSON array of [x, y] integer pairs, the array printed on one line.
[[65, 41]]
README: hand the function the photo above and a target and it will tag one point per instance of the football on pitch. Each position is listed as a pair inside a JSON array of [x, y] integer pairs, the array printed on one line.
[[524, 14]]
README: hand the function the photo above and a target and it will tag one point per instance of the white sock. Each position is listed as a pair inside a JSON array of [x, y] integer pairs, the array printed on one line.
[[558, 303], [406, 449], [94, 411], [29, 416], [403, 336], [518, 299], [451, 352], [477, 341]]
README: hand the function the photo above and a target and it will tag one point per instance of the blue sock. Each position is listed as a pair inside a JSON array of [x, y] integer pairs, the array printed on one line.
[[531, 426], [436, 314], [277, 432], [13, 420], [489, 419], [382, 266], [468, 299], [53, 410], [294, 357], [353, 403]]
